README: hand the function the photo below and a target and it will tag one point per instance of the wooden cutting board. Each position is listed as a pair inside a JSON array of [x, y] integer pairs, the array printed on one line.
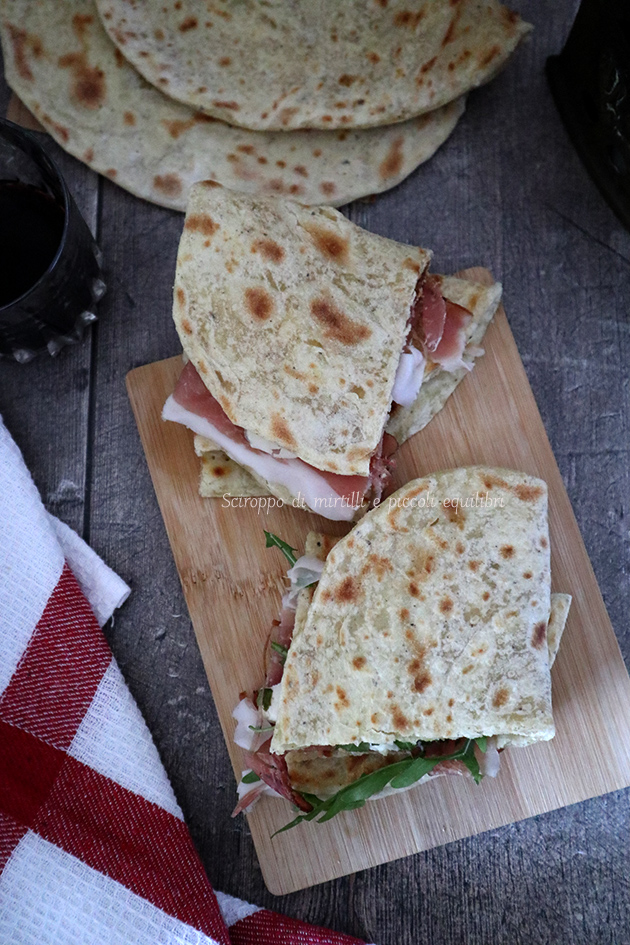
[[233, 587]]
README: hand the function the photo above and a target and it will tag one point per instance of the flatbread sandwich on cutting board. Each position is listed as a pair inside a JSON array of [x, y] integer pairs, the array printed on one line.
[[314, 347], [418, 645]]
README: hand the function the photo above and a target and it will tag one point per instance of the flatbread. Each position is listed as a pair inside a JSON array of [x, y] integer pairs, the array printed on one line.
[[438, 385], [295, 318], [429, 621], [61, 63], [219, 475], [285, 64]]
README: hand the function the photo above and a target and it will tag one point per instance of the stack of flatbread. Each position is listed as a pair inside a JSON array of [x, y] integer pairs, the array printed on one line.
[[320, 102]]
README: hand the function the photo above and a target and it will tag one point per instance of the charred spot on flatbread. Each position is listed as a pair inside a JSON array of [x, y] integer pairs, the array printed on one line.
[[330, 244], [336, 324], [201, 223], [259, 303]]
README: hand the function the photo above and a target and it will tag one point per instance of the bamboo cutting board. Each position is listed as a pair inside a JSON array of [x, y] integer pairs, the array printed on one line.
[[233, 586]]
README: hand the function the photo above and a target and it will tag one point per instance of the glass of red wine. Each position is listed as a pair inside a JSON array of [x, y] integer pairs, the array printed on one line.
[[50, 266]]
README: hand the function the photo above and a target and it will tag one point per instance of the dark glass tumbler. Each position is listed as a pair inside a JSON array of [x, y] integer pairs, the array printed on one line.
[[590, 82], [50, 272]]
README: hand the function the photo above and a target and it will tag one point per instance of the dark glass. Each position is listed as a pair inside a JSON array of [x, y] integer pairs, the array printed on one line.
[[50, 274], [590, 82]]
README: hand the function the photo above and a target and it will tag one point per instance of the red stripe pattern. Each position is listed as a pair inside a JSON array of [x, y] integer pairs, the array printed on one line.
[[60, 670], [132, 841], [269, 928]]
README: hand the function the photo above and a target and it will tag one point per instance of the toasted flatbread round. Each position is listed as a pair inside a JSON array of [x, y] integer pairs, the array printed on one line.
[[285, 64], [61, 63], [429, 621]]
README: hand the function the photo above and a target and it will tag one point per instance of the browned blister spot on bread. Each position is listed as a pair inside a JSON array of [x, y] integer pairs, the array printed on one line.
[[168, 184], [539, 636], [337, 325], [409, 18], [500, 697], [201, 223], [280, 431], [347, 591], [378, 564], [528, 493], [400, 720], [19, 39], [88, 82], [342, 696], [259, 303], [489, 56], [269, 250], [393, 161], [329, 243], [421, 678]]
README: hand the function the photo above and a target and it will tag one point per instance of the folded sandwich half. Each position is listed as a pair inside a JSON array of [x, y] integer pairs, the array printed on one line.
[[421, 644], [308, 339]]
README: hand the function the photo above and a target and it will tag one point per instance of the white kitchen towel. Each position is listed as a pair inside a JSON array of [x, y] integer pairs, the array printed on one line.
[[93, 846]]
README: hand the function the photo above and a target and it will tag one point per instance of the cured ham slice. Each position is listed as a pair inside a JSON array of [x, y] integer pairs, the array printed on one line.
[[438, 327], [433, 313], [250, 798], [449, 351], [272, 769], [282, 633]]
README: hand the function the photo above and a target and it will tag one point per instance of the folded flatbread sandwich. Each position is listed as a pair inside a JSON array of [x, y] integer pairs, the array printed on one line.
[[314, 346], [420, 644]]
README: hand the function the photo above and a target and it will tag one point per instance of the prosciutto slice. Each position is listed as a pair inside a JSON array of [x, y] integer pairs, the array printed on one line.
[[449, 351], [282, 633], [272, 769], [433, 313], [438, 327]]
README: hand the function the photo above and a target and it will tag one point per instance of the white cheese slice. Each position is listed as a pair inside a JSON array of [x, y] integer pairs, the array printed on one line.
[[247, 717], [409, 375], [300, 479], [306, 571]]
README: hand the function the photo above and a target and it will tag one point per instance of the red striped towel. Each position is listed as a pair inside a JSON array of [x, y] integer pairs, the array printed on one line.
[[93, 846]]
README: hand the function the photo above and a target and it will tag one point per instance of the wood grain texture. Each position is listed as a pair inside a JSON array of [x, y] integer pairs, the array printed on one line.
[[232, 587], [507, 190]]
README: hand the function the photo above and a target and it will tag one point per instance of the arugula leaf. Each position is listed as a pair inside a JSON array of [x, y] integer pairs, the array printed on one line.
[[263, 699], [362, 746], [263, 728], [405, 746], [482, 743], [272, 541], [250, 778], [400, 774], [281, 650]]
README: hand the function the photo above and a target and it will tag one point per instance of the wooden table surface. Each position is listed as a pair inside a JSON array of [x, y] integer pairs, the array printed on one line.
[[507, 191]]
